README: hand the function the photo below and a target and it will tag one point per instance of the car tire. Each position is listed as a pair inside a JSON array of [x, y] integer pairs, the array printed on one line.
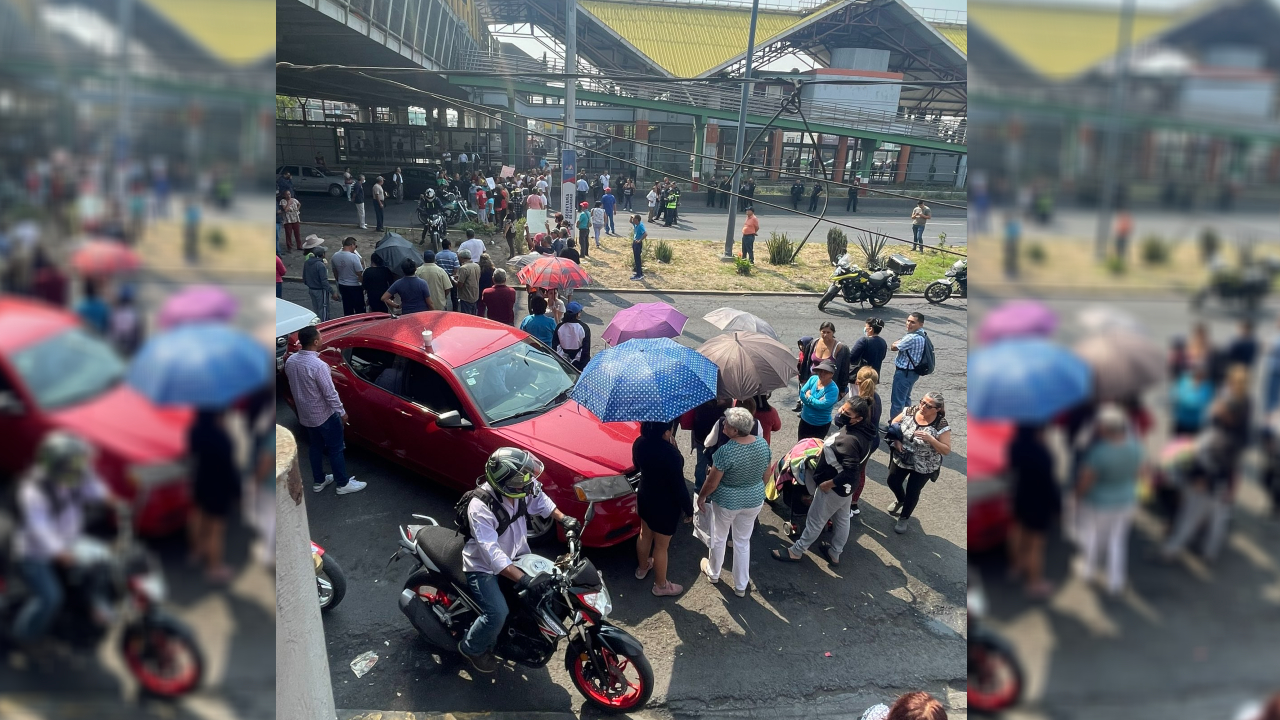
[[541, 528], [335, 190]]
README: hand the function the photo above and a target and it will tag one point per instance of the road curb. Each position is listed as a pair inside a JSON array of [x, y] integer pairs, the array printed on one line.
[[660, 291]]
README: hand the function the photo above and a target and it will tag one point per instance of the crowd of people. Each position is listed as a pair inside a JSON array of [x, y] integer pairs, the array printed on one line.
[[1213, 421]]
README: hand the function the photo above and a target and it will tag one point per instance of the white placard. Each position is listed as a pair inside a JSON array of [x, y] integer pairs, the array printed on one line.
[[508, 171], [490, 183], [536, 220]]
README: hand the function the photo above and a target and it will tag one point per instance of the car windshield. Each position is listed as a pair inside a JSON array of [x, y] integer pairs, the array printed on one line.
[[520, 380], [68, 368]]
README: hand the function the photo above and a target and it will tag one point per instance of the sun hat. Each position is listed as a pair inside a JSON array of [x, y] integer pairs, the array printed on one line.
[[312, 241], [827, 366]]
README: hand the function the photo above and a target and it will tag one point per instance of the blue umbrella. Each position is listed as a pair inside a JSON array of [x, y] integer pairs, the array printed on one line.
[[652, 379], [203, 365], [1026, 380]]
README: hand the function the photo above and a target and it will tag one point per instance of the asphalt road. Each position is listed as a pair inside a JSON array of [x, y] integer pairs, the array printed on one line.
[[891, 617], [1190, 640], [888, 215], [1082, 225]]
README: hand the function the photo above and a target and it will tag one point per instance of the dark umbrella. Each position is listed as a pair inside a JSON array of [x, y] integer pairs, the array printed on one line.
[[750, 363], [392, 249]]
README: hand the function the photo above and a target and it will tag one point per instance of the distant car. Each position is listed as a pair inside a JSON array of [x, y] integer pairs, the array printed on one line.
[[308, 178], [57, 375], [481, 386]]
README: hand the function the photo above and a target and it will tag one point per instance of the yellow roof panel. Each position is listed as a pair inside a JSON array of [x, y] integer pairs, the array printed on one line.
[[957, 34], [1061, 41], [688, 40], [235, 31]]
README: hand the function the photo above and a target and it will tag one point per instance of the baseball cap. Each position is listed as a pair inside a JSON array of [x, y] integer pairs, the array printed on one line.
[[573, 307]]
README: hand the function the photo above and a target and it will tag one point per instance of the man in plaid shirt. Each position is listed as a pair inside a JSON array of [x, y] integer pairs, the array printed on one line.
[[910, 349], [320, 411]]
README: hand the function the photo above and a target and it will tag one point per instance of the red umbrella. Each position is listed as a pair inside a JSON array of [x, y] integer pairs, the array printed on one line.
[[103, 257], [553, 272]]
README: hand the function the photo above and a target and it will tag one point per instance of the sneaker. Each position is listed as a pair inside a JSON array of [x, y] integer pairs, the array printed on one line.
[[484, 662], [671, 590], [854, 511], [317, 487], [353, 485], [740, 593], [900, 527], [637, 278], [706, 570], [364, 227]]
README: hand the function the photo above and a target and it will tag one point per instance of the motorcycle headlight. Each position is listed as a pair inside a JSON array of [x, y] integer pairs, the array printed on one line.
[[151, 586], [598, 601], [599, 489]]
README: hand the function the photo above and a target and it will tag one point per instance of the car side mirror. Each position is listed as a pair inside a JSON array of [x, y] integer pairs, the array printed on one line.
[[453, 419], [10, 404]]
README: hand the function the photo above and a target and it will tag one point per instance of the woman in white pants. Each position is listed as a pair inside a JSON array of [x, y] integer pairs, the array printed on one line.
[[733, 495], [1107, 493]]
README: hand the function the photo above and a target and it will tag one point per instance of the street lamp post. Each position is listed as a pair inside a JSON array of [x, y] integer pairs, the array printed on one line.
[[1111, 156], [742, 134]]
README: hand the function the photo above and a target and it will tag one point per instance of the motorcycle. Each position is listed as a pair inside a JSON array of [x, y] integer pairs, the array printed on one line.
[[433, 225], [106, 583], [876, 286], [1248, 285], [331, 581], [955, 281], [607, 665], [995, 675], [455, 211]]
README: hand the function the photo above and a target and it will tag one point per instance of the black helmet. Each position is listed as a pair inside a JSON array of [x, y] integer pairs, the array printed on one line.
[[511, 471]]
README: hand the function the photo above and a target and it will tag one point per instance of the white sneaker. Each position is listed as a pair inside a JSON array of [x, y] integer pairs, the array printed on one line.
[[353, 485], [364, 227], [706, 570], [317, 487]]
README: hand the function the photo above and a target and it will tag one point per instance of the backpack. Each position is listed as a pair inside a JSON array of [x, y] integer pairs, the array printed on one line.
[[925, 364], [505, 520]]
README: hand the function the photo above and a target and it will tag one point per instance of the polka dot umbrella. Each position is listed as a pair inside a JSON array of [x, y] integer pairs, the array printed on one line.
[[650, 379]]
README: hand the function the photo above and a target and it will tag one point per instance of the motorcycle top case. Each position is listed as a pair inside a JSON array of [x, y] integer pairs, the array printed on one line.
[[901, 264]]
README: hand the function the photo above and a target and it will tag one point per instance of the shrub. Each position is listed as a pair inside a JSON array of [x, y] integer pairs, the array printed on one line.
[[942, 241], [216, 238], [1036, 253], [1210, 243], [872, 245], [1115, 265], [520, 228], [781, 249], [837, 244], [478, 227], [663, 251], [742, 265], [1155, 251]]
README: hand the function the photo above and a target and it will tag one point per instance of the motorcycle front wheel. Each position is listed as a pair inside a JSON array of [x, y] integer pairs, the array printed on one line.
[[995, 677], [937, 292], [827, 297], [624, 685], [162, 655], [331, 583], [881, 297]]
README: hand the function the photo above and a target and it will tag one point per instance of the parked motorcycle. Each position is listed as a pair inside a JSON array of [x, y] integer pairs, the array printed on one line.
[[1248, 285], [956, 282], [331, 581], [995, 675], [607, 665], [875, 285], [455, 211], [106, 583]]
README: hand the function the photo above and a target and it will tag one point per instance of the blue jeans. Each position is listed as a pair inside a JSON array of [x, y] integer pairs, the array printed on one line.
[[903, 381], [749, 247], [328, 438], [485, 631], [46, 598], [467, 307], [917, 237], [702, 461], [608, 223]]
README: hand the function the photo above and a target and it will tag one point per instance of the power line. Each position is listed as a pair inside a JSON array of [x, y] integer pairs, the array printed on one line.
[[481, 110]]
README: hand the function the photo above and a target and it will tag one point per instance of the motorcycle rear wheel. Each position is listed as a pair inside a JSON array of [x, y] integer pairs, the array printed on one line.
[[937, 292], [827, 297], [331, 572], [162, 655], [881, 297], [617, 696], [995, 677]]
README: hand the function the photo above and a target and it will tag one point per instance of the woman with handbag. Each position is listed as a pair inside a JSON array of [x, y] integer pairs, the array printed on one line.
[[917, 457]]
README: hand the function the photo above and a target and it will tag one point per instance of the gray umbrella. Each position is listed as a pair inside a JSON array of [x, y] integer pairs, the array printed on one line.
[[1124, 364], [392, 249], [730, 319], [750, 363]]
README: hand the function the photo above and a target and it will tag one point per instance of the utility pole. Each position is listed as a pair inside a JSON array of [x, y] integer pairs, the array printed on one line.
[[1111, 156], [741, 137], [124, 29], [568, 155]]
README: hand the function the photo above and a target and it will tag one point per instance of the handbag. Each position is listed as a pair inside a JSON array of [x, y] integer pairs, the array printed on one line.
[[702, 525]]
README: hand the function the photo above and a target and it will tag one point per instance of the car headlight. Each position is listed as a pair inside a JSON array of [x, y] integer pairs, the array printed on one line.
[[599, 489], [599, 601]]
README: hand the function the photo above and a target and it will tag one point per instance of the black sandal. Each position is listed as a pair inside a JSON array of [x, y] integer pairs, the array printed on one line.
[[825, 550], [784, 556]]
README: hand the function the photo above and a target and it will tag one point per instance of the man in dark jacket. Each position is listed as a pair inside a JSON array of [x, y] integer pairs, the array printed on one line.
[[726, 187], [797, 193], [833, 481], [813, 199]]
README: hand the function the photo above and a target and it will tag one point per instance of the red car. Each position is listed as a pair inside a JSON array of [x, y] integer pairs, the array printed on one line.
[[989, 514], [482, 385], [54, 374]]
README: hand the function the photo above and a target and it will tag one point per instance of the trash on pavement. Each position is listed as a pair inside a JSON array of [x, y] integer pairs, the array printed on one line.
[[364, 663]]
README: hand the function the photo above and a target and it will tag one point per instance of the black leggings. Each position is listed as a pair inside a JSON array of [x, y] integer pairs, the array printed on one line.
[[910, 495], [811, 431]]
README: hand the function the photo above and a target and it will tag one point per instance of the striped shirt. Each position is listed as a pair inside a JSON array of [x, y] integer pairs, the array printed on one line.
[[910, 350], [448, 260], [743, 466], [312, 387]]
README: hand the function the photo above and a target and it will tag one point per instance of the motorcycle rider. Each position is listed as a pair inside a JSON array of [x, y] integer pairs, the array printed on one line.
[[431, 204], [51, 500], [511, 483]]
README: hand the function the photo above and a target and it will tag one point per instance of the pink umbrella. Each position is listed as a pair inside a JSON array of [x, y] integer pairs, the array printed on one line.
[[200, 303], [1019, 318], [646, 320]]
